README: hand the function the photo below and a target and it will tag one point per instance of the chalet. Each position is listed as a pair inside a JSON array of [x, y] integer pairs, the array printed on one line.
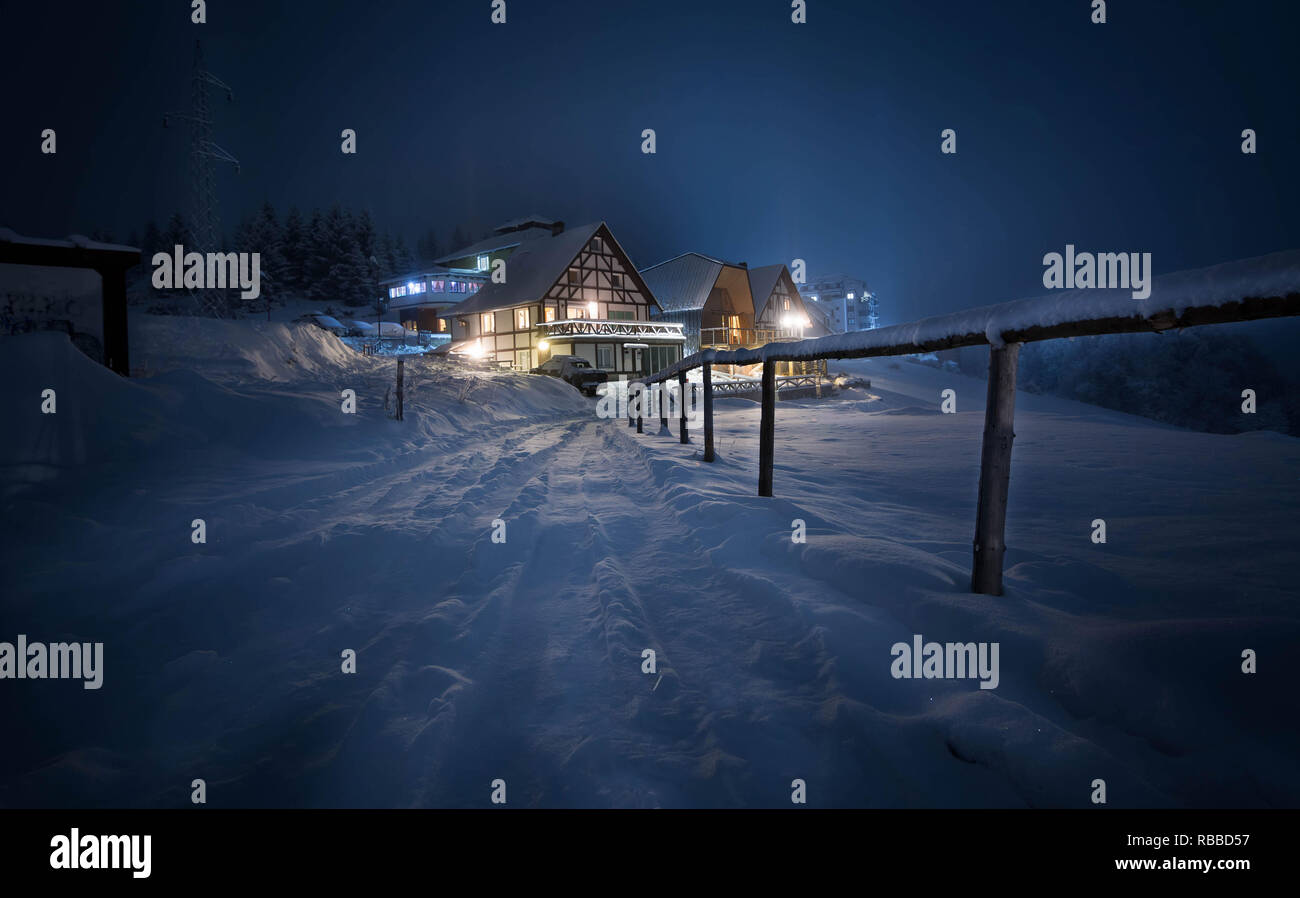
[[716, 303], [564, 292], [779, 306]]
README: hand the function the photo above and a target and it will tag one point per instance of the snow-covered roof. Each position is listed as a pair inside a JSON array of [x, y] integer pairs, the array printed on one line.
[[683, 283], [531, 271], [74, 241], [762, 281], [1271, 283], [496, 243]]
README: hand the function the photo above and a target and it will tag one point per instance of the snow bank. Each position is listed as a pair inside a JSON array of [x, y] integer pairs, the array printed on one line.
[[241, 387]]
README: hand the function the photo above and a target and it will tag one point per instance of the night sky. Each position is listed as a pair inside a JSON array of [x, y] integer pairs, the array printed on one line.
[[775, 141]]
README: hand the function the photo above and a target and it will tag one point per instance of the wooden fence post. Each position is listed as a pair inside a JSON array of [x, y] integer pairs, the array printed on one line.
[[995, 471], [681, 407], [640, 407], [708, 412], [767, 429], [663, 405], [400, 374], [113, 298]]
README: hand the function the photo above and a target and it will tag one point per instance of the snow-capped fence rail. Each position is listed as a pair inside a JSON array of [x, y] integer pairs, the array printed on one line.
[[1246, 290]]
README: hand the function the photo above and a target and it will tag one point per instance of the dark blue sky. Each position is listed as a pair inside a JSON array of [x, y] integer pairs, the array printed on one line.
[[775, 140]]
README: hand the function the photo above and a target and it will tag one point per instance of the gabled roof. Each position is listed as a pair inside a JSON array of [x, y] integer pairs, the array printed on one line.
[[762, 281], [495, 243], [530, 271], [683, 284], [435, 271]]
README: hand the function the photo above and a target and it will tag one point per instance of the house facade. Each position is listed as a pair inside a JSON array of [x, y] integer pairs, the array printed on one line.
[[716, 304], [780, 307], [560, 292]]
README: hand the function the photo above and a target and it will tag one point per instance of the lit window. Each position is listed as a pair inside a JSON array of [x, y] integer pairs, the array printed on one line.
[[850, 296], [785, 304], [482, 263], [521, 319], [442, 325], [487, 323], [392, 292], [591, 310], [550, 313]]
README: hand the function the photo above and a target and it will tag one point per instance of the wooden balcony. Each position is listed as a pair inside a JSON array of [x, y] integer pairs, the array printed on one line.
[[748, 338]]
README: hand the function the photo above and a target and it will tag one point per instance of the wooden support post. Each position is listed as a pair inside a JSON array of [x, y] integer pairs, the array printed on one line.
[[640, 404], [401, 371], [681, 406], [113, 298], [627, 397], [663, 405], [708, 413], [767, 430], [995, 471]]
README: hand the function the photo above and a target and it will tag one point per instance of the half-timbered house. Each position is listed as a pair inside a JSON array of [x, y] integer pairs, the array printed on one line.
[[561, 292]]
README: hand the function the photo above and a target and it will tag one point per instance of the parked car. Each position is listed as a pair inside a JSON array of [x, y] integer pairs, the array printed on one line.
[[359, 328], [326, 322], [575, 371]]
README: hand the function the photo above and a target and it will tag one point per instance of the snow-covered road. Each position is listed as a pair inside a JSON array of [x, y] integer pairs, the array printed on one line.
[[521, 660]]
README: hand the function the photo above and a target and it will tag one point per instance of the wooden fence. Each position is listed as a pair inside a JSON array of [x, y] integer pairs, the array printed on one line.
[[1263, 287]]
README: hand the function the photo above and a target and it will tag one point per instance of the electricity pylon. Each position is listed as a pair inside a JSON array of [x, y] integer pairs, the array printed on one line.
[[204, 220]]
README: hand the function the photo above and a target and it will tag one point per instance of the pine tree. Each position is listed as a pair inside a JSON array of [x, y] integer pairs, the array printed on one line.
[[402, 255], [427, 247], [317, 255], [387, 255], [151, 242], [293, 248], [177, 233], [269, 241]]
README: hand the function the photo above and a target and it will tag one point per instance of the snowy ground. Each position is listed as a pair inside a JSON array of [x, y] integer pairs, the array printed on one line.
[[522, 661]]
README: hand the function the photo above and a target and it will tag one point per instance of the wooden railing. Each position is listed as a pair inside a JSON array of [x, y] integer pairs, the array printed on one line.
[[1264, 287], [745, 336], [741, 387]]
